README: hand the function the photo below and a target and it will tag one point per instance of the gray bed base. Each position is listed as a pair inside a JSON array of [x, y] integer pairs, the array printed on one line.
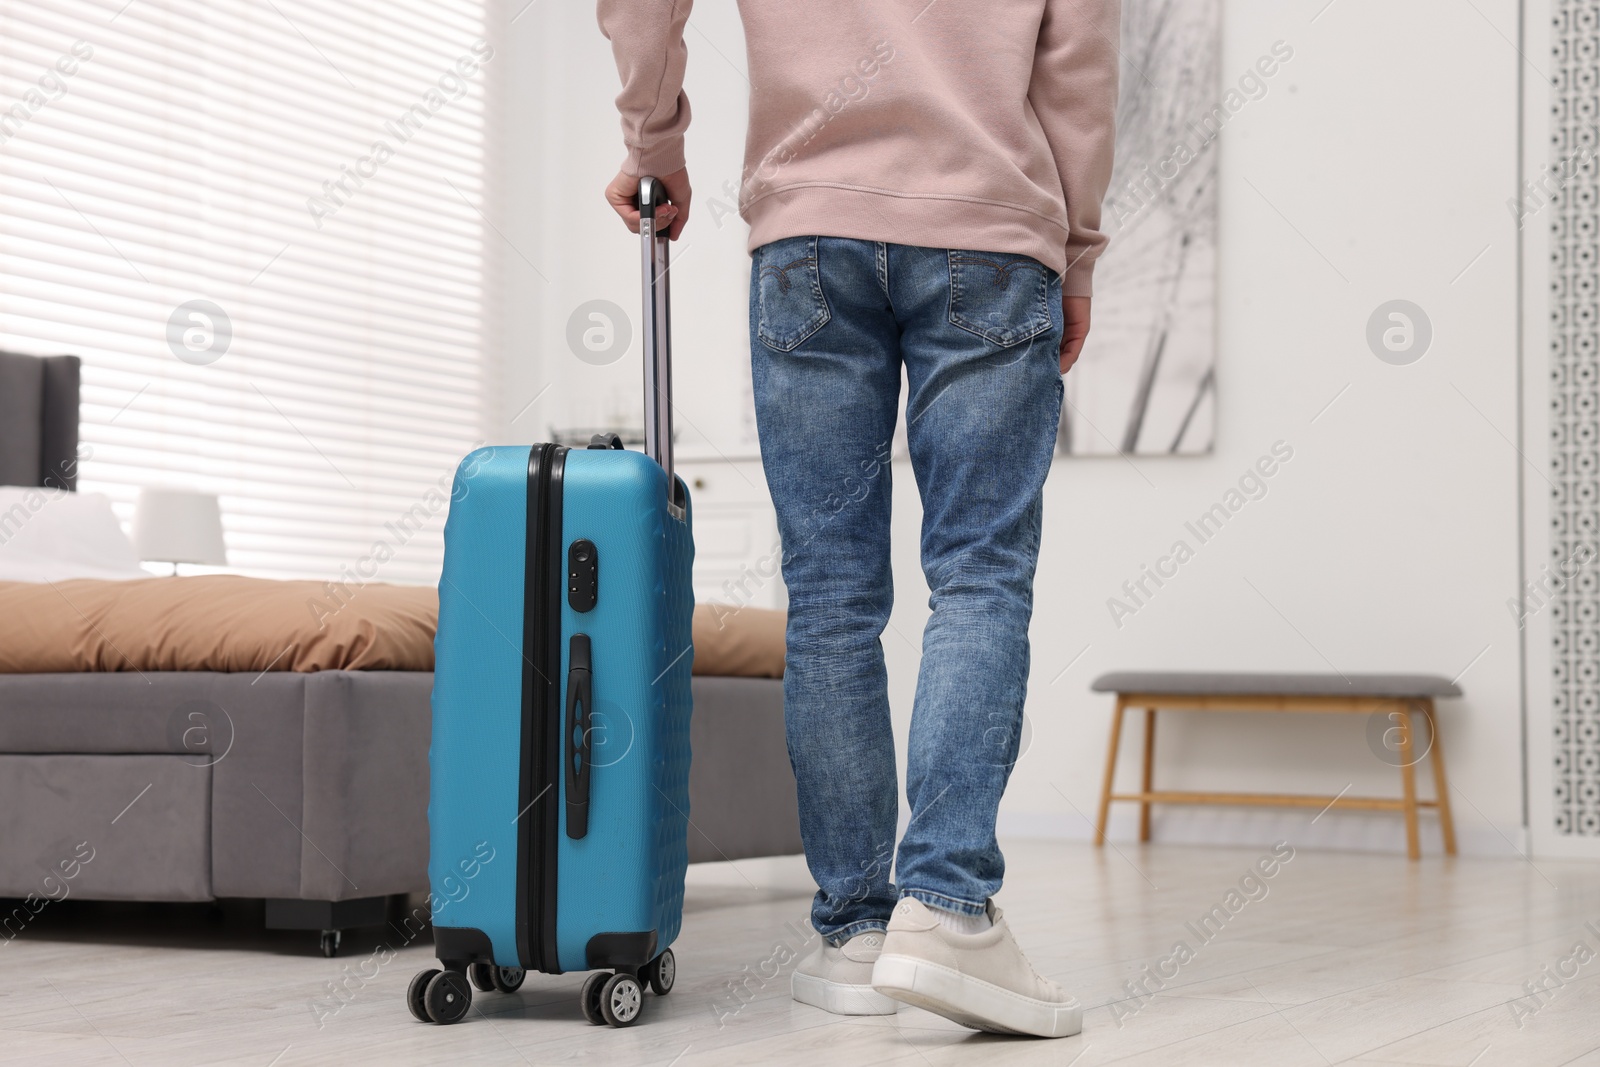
[[307, 790]]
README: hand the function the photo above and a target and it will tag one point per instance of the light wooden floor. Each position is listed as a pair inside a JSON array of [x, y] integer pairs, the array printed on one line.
[[1347, 958]]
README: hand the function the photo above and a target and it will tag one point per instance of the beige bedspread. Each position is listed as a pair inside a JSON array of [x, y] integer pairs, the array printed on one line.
[[231, 623]]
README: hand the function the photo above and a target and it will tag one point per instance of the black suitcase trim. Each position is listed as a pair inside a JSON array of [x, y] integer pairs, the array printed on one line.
[[458, 946], [538, 796], [621, 950]]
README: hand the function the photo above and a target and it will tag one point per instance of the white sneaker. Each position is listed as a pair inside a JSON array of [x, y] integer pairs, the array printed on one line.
[[979, 980], [840, 979]]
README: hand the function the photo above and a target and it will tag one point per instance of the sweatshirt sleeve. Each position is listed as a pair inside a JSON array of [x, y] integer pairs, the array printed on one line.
[[647, 40], [1074, 93]]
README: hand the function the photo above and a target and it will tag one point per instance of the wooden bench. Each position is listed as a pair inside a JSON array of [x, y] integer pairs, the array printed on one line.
[[1396, 696]]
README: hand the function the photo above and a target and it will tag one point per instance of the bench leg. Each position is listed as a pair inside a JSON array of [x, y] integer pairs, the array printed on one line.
[[1111, 772], [1441, 786], [1408, 781], [1149, 766]]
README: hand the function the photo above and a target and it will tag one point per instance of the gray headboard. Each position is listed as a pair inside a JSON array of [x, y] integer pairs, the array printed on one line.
[[39, 420]]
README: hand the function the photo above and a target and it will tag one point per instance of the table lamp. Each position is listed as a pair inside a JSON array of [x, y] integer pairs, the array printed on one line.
[[179, 526]]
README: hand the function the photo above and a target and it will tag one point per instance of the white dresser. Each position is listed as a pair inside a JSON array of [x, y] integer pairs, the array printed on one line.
[[736, 548]]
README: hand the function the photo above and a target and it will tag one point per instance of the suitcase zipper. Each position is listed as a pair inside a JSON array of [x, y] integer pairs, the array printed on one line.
[[541, 713]]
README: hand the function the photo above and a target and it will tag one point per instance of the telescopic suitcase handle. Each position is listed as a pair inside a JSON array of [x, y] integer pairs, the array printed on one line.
[[657, 337]]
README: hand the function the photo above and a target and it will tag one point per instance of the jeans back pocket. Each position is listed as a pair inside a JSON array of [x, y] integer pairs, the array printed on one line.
[[1002, 297], [790, 306]]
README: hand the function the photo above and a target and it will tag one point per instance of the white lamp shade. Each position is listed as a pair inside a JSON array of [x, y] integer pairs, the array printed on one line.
[[179, 526]]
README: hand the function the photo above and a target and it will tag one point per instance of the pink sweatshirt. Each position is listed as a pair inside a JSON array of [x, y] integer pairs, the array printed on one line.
[[949, 124]]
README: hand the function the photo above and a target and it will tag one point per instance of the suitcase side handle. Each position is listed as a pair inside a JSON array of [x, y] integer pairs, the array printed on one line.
[[579, 722], [657, 337]]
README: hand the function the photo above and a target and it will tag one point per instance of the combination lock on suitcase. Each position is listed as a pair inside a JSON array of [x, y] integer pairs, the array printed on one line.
[[559, 798]]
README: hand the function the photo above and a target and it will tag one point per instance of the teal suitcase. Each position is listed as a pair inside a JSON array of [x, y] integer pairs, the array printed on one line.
[[559, 793]]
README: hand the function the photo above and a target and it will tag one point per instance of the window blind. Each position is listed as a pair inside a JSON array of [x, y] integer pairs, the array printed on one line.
[[262, 225]]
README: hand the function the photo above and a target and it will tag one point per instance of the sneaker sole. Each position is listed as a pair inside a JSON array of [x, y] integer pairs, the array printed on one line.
[[972, 1002], [838, 998]]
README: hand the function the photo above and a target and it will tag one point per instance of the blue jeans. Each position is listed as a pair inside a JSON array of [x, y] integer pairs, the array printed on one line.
[[832, 321]]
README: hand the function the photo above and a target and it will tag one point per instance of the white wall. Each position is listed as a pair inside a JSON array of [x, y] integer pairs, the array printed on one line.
[[1377, 168], [565, 145], [1389, 542]]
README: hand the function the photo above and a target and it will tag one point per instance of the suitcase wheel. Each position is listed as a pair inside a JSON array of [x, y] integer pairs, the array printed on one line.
[[447, 997], [487, 978], [621, 998], [414, 994], [481, 975], [590, 997], [507, 979], [660, 973]]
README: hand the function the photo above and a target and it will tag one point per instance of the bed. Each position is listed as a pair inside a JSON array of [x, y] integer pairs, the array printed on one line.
[[209, 737]]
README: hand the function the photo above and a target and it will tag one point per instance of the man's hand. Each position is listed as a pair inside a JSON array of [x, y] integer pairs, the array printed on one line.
[[623, 191], [1075, 327]]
